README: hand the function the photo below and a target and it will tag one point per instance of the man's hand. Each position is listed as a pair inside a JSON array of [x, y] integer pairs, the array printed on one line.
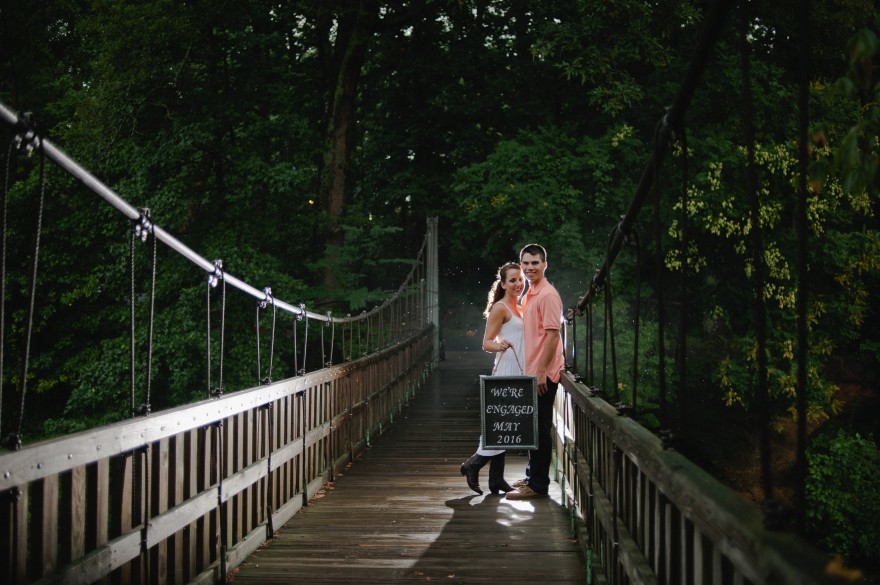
[[542, 384]]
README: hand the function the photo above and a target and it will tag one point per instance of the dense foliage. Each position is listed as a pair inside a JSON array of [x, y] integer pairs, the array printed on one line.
[[843, 493], [305, 143]]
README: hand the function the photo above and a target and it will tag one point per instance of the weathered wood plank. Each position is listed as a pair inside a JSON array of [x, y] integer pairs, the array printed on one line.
[[403, 512], [73, 514], [44, 552]]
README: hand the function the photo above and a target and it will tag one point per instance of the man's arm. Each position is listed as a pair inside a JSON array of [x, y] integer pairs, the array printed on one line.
[[551, 346]]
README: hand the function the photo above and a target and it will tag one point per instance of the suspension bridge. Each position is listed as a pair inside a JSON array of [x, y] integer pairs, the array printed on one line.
[[349, 472]]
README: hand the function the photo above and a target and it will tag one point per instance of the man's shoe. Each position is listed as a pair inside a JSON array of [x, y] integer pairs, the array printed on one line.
[[519, 483], [524, 493]]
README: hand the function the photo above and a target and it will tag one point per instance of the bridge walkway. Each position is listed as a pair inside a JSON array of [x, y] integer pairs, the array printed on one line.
[[403, 512]]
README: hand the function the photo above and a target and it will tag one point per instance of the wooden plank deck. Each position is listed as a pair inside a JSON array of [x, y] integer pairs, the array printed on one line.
[[403, 512]]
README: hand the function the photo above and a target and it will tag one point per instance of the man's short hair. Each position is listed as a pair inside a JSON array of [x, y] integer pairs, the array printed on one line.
[[535, 250]]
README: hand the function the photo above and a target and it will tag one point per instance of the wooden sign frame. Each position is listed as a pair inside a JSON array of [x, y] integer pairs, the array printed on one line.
[[509, 412]]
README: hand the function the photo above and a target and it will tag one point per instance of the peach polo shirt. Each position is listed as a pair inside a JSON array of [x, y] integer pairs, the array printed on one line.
[[542, 312]]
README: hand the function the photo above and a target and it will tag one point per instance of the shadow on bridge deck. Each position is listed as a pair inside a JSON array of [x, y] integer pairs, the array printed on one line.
[[403, 512]]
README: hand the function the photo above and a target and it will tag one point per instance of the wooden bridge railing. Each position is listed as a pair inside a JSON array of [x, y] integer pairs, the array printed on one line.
[[647, 515], [184, 495]]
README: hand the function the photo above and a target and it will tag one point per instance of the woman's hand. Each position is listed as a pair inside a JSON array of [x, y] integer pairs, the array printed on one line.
[[503, 345]]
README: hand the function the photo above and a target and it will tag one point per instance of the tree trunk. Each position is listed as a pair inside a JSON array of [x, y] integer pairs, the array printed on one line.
[[353, 34]]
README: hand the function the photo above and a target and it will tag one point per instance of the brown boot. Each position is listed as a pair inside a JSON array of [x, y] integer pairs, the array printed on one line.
[[496, 476], [471, 468]]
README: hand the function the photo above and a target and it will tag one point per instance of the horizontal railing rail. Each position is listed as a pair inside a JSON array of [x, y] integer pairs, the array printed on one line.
[[645, 514], [184, 495], [30, 139]]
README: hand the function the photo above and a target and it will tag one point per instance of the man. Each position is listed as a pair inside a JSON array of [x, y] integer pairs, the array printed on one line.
[[542, 319]]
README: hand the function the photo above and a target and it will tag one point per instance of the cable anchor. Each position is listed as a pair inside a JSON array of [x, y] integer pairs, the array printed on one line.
[[142, 410], [14, 494], [666, 130], [27, 137], [215, 277], [12, 441], [267, 300], [144, 227], [668, 438]]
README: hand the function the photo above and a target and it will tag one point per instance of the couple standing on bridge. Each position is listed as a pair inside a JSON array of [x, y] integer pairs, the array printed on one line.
[[527, 325]]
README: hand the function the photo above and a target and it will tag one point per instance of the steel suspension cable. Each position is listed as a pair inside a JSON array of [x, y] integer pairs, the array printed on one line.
[[268, 379], [132, 340], [259, 365], [33, 293], [803, 256], [638, 313], [211, 283], [323, 347], [219, 390], [683, 396], [262, 305], [145, 548], [590, 369], [295, 350], [758, 309], [661, 306], [670, 122], [3, 277], [146, 408], [208, 288], [270, 488], [382, 327], [332, 341], [605, 344], [213, 280], [25, 133], [305, 319], [345, 356], [609, 316]]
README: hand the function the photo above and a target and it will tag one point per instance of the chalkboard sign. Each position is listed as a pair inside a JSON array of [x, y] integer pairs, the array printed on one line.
[[509, 418]]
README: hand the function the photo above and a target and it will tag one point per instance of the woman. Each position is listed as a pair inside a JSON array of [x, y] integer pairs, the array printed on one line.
[[504, 337]]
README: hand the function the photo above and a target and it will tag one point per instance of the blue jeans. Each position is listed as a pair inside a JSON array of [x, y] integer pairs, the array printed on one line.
[[538, 468]]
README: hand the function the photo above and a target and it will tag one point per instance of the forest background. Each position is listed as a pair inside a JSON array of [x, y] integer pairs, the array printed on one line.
[[305, 143]]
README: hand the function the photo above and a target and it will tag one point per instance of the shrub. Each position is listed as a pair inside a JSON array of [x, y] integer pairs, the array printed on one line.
[[843, 494]]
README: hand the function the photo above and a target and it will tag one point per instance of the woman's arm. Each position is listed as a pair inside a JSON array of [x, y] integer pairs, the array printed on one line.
[[493, 329]]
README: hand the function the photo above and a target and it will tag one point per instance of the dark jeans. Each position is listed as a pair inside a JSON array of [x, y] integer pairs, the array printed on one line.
[[538, 469]]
